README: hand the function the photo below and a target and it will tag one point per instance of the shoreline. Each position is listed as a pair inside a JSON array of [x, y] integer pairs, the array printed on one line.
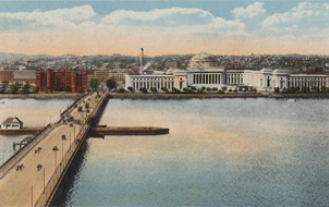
[[43, 96], [206, 96], [174, 96]]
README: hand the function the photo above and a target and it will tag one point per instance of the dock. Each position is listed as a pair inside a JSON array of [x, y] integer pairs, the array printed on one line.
[[102, 131], [96, 131], [22, 131]]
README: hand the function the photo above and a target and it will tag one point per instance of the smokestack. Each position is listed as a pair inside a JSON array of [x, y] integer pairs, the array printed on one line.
[[141, 62]]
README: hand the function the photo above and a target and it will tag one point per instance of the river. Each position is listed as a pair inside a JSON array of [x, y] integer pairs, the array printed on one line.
[[220, 152]]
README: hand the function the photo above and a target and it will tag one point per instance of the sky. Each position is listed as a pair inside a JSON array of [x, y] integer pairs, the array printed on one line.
[[221, 27]]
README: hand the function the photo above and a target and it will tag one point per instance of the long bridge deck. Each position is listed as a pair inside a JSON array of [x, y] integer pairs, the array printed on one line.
[[35, 187]]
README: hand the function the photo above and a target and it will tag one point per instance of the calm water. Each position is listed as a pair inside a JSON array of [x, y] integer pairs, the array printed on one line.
[[220, 152], [33, 112]]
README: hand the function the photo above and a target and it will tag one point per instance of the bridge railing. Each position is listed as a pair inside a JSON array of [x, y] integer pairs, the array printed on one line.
[[72, 105], [55, 180], [64, 164], [15, 158]]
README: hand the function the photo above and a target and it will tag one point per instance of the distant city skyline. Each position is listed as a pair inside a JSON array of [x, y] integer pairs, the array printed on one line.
[[164, 28]]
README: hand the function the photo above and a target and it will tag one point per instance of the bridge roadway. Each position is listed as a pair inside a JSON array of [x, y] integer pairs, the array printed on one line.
[[26, 187]]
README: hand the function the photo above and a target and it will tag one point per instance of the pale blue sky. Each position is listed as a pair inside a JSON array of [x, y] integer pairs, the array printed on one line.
[[218, 8]]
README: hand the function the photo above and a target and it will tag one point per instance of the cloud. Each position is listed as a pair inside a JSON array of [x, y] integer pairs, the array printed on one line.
[[80, 30], [251, 11], [307, 19], [37, 19], [187, 19]]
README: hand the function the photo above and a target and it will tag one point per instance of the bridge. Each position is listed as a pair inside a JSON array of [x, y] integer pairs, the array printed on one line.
[[33, 174]]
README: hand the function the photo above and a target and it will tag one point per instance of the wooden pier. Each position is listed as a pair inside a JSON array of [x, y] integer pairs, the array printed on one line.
[[102, 131], [96, 131], [22, 131]]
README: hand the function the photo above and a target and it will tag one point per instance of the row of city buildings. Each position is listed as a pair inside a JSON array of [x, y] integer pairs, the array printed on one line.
[[202, 71]]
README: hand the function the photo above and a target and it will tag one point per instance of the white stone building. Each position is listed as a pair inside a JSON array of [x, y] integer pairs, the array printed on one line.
[[173, 78], [268, 79], [203, 72]]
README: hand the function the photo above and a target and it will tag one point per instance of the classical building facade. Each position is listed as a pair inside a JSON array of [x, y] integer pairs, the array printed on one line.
[[203, 72], [268, 79], [173, 78], [119, 77], [61, 80]]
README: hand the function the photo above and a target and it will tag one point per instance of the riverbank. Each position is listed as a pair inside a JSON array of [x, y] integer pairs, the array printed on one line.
[[42, 95], [226, 95], [172, 96]]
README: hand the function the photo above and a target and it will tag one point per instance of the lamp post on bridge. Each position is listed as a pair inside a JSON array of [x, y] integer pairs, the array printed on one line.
[[62, 150], [70, 143], [44, 179]]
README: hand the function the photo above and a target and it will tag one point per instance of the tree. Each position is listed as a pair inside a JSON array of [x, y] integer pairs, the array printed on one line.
[[154, 90], [13, 89], [94, 83], [3, 89], [276, 90], [175, 90], [25, 89], [131, 89], [164, 89], [111, 83], [120, 90], [143, 90]]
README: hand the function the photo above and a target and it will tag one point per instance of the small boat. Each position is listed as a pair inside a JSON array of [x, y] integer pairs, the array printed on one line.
[[291, 100]]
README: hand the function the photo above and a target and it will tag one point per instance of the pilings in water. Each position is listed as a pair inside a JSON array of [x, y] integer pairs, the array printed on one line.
[[24, 142]]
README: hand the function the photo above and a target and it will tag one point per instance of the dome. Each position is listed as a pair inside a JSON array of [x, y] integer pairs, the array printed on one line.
[[266, 70], [202, 60], [281, 71], [202, 57]]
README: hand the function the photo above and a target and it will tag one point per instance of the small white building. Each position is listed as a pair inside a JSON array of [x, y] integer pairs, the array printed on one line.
[[11, 123]]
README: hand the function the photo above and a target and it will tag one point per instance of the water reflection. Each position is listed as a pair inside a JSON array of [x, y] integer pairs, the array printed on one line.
[[65, 189]]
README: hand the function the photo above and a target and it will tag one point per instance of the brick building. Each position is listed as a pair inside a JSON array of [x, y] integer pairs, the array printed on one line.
[[61, 80], [6, 75]]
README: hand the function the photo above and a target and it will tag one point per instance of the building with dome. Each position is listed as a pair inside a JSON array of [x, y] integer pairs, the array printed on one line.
[[203, 71], [202, 60]]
